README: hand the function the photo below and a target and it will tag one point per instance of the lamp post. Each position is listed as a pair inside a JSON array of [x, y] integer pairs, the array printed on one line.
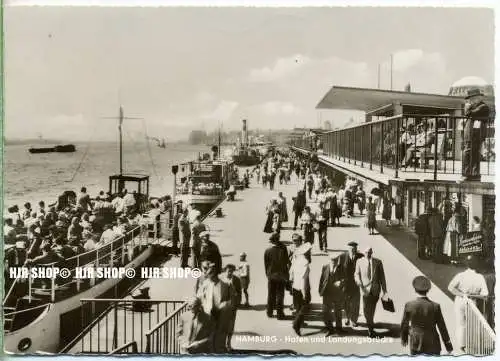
[[175, 169]]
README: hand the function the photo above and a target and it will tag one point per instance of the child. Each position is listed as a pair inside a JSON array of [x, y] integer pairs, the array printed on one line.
[[244, 274]]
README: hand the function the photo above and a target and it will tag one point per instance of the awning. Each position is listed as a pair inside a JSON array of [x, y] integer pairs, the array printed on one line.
[[366, 99]]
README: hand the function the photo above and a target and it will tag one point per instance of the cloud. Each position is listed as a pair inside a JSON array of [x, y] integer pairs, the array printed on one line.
[[222, 111], [283, 67], [404, 60], [278, 108]]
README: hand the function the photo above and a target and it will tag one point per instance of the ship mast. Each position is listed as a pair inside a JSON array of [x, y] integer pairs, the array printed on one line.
[[121, 118]]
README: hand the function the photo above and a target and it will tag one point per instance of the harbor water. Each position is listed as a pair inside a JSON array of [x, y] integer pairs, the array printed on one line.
[[34, 177]]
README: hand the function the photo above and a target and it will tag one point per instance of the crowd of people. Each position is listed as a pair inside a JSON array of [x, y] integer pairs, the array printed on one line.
[[75, 224]]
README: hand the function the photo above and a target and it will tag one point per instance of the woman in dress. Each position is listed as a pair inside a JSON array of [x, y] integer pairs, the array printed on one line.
[[387, 208], [307, 221], [361, 198], [371, 221], [450, 247], [268, 227], [398, 207]]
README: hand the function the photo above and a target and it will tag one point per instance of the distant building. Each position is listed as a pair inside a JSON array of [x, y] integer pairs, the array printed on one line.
[[461, 86]]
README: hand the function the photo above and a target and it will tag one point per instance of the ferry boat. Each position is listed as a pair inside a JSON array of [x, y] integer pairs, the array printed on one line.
[[244, 154], [203, 183], [39, 315]]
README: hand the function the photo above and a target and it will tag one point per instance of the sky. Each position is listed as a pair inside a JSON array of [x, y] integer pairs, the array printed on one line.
[[68, 68]]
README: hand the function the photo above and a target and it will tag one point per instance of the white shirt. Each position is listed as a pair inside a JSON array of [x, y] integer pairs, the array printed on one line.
[[193, 213], [129, 200], [469, 282], [107, 236], [118, 204]]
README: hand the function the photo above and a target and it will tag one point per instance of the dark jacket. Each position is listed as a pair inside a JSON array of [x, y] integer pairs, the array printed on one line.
[[418, 327], [481, 112], [436, 225], [422, 225], [332, 285], [349, 267], [276, 262], [210, 252]]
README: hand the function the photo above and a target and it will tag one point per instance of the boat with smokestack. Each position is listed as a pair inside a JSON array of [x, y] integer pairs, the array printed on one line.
[[203, 183], [244, 154]]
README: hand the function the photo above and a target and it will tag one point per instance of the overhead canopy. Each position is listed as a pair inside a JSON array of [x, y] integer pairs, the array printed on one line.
[[367, 100]]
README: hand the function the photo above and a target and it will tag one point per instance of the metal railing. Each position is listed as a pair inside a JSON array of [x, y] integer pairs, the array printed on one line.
[[115, 253], [407, 143], [479, 336], [162, 338], [129, 347], [107, 323]]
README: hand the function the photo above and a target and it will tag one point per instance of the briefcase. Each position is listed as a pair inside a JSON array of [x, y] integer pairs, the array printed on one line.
[[388, 305]]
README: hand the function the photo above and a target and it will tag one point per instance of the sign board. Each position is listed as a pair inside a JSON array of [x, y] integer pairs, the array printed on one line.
[[472, 243]]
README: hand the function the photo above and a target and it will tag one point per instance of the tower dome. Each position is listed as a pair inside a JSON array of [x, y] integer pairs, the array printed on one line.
[[461, 86]]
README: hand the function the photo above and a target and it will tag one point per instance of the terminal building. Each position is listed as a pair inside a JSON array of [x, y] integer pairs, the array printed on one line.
[[375, 154]]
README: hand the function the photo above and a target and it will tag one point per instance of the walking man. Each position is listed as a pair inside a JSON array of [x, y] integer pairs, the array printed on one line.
[[420, 319], [331, 288], [370, 278], [196, 330], [276, 265], [352, 296]]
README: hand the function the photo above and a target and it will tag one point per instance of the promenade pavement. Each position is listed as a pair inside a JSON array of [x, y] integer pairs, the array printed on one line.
[[241, 230]]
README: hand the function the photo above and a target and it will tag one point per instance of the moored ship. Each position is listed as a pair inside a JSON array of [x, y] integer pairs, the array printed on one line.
[[244, 154], [65, 148], [203, 183]]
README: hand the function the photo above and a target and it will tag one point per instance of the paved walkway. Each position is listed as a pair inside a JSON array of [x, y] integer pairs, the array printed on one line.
[[241, 230]]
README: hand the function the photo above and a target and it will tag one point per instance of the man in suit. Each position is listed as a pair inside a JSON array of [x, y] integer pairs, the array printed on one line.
[[216, 300], [196, 330], [196, 229], [331, 288], [234, 283], [420, 318], [474, 133], [352, 296], [370, 278], [276, 265], [210, 251]]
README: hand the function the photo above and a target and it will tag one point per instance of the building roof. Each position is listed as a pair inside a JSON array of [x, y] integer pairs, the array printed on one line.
[[470, 81], [366, 99]]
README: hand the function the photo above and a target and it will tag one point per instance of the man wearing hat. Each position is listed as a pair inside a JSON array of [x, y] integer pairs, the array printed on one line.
[[332, 290], [370, 277], [420, 318], [352, 296], [210, 251], [477, 113], [276, 265]]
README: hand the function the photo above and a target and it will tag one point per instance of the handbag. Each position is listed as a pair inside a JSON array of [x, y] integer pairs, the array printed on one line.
[[388, 304]]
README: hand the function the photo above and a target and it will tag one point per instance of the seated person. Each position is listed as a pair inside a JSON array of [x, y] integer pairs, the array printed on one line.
[[62, 249], [424, 140], [231, 192]]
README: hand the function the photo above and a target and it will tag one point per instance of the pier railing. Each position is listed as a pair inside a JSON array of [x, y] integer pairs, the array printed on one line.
[[108, 323], [128, 348], [162, 338], [408, 143], [115, 253], [479, 336]]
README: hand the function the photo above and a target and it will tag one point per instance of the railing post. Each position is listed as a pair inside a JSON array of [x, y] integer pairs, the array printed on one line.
[[77, 278], [362, 145], [398, 127], [53, 288], [371, 146], [30, 285], [111, 253], [382, 141], [435, 148]]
